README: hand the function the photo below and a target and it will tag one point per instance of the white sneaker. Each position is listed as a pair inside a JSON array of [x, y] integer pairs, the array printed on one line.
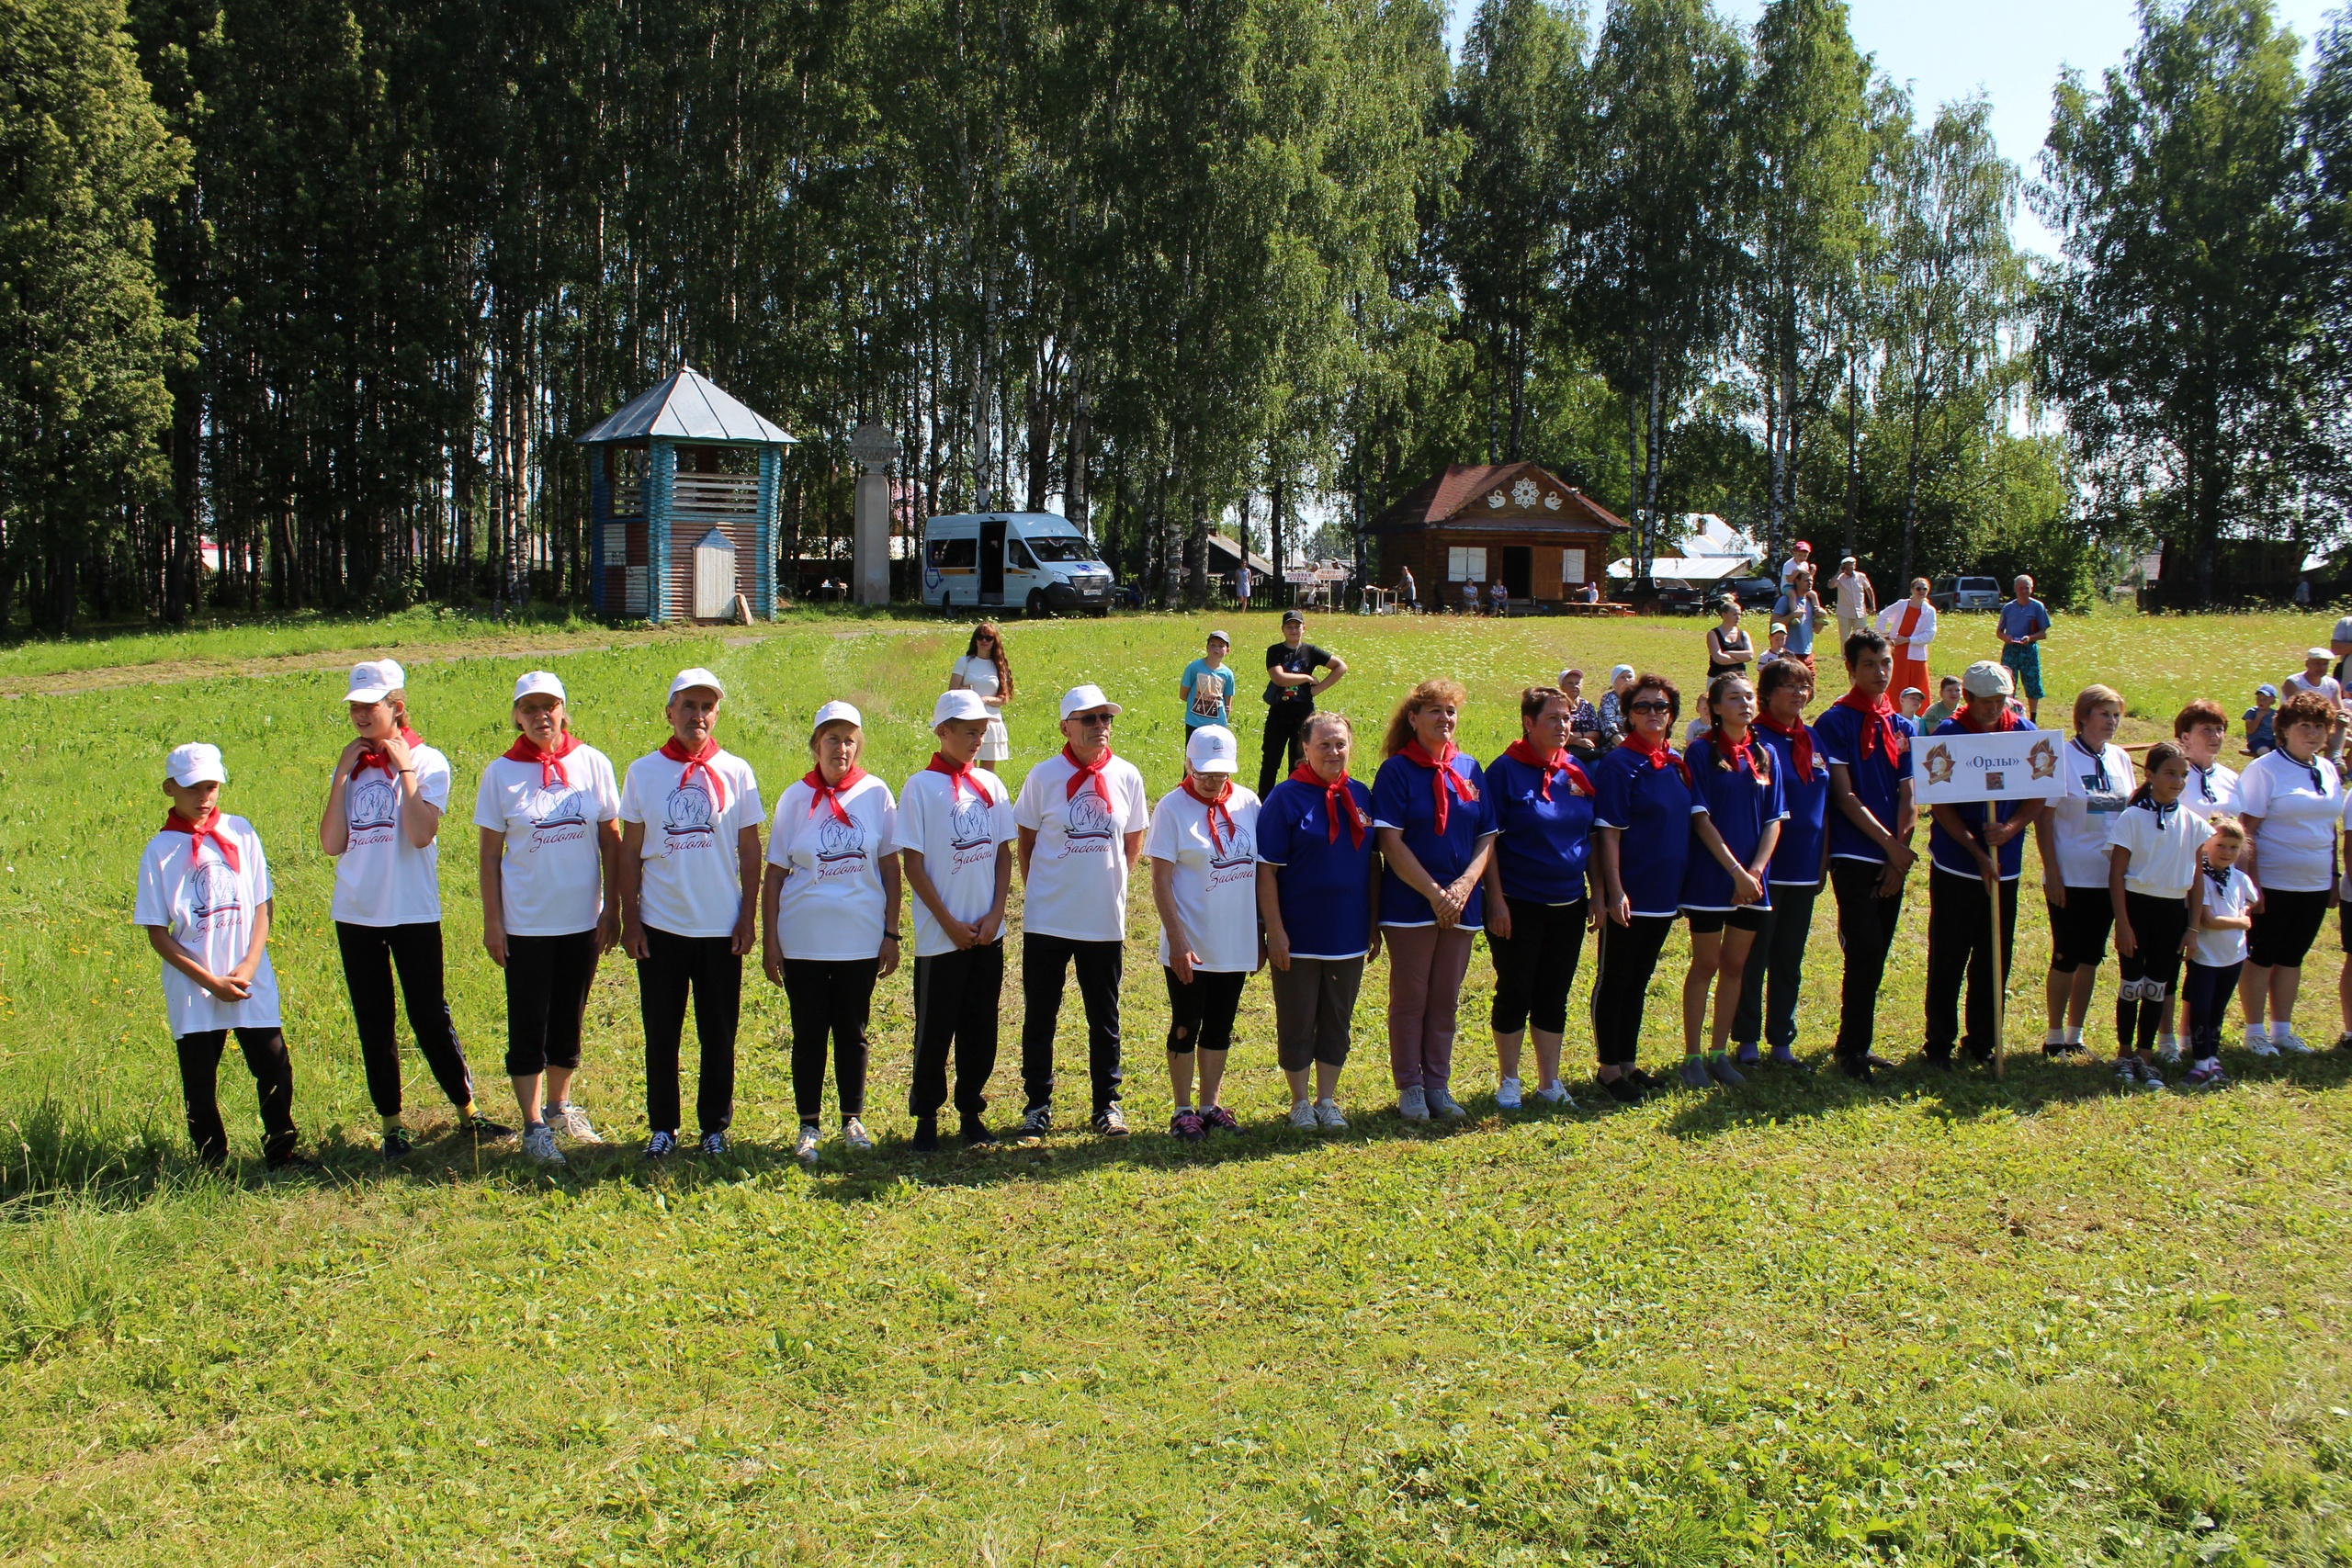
[[1445, 1105], [1413, 1104], [1507, 1094], [2295, 1045], [1302, 1114], [855, 1135], [1327, 1115], [804, 1149], [1556, 1093], [572, 1122], [2263, 1045], [539, 1143], [2168, 1050]]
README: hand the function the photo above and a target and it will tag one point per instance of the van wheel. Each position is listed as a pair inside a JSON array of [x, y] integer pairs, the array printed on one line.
[[1035, 609], [946, 604]]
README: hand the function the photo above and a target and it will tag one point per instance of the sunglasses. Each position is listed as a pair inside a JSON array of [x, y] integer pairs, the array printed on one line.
[[1092, 719], [1649, 707]]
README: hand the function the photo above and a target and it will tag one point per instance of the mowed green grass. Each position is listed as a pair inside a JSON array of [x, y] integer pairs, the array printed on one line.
[[1940, 1320]]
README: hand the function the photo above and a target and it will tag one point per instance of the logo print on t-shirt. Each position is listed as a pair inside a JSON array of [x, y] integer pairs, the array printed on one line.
[[839, 841], [1240, 849], [967, 824], [1087, 816], [374, 804], [688, 811], [211, 890], [550, 809]]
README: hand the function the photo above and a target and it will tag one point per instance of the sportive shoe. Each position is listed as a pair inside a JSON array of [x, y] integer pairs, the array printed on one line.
[[1783, 1056], [2344, 1041], [2295, 1045], [2168, 1050], [1622, 1090], [1328, 1115], [1745, 1056], [1723, 1073], [2206, 1074], [1937, 1061], [1217, 1119], [1443, 1104], [569, 1121], [1642, 1080], [2127, 1072], [855, 1135], [539, 1142], [714, 1143], [2262, 1045], [289, 1160], [1111, 1122], [1302, 1114], [661, 1146], [1186, 1124], [2149, 1079], [396, 1144], [1556, 1093], [1413, 1104], [926, 1138], [1693, 1073], [804, 1148], [1037, 1122], [1507, 1095], [483, 1130], [977, 1135]]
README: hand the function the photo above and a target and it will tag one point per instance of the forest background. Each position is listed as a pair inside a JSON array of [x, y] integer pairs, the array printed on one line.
[[302, 301]]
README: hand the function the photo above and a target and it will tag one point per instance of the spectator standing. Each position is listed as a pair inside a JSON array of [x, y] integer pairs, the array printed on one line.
[[1911, 627], [1291, 690], [1242, 584], [985, 669], [1207, 687], [1800, 609], [1856, 600], [1729, 647], [1407, 594], [2024, 622]]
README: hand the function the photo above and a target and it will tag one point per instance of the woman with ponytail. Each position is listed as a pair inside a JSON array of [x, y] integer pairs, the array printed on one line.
[[548, 815], [2152, 853], [1735, 816], [1537, 898], [1435, 819], [1642, 802]]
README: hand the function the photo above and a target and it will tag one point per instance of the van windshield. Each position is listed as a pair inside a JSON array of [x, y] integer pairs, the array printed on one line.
[[1059, 547]]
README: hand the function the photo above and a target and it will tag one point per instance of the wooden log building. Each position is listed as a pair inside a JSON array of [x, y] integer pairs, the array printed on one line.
[[1476, 522]]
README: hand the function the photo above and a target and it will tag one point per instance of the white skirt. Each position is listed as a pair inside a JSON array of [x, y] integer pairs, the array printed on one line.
[[997, 746]]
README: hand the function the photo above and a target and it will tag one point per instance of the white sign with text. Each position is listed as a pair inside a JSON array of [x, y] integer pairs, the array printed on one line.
[[2020, 764]]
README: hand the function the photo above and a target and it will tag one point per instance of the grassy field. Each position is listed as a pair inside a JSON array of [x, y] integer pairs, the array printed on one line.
[[1939, 1320]]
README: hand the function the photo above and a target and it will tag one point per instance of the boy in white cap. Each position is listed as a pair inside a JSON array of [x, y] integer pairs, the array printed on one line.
[[1202, 845], [548, 815], [381, 825], [205, 897], [690, 845], [1081, 820], [954, 830]]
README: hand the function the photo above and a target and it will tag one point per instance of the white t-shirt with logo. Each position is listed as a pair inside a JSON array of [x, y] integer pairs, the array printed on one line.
[[833, 902], [382, 879], [208, 910], [550, 879], [2098, 783], [1078, 870], [2211, 792], [2295, 850], [959, 836], [689, 885], [1215, 885], [2162, 845], [2233, 896]]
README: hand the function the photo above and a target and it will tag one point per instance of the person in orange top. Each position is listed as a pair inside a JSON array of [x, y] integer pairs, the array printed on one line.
[[1910, 627]]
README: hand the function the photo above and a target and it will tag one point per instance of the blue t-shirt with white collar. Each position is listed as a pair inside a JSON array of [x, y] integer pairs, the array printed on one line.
[[1323, 884], [1652, 806]]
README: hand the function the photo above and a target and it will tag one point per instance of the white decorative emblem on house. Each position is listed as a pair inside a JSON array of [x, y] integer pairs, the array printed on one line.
[[1493, 498], [1523, 492], [1551, 501]]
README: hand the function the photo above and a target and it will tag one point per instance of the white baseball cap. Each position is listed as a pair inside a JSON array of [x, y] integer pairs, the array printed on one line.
[[1212, 750], [538, 680], [374, 681], [2322, 654], [698, 676], [1080, 699], [1984, 679], [836, 713], [196, 763], [961, 703]]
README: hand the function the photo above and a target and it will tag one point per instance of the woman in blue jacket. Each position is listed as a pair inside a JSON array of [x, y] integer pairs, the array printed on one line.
[[1537, 903], [1800, 865], [1642, 800]]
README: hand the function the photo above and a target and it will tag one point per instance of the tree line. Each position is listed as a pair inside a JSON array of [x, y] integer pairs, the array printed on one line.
[[303, 301]]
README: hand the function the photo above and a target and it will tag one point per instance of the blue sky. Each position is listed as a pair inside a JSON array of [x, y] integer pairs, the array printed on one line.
[[2011, 49]]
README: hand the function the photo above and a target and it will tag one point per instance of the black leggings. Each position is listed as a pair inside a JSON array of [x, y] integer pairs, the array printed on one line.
[[2150, 969], [369, 955], [1866, 924], [709, 968], [547, 996], [1776, 964], [830, 999], [1536, 964], [1628, 957], [1200, 1015], [273, 1073], [2207, 995], [958, 996]]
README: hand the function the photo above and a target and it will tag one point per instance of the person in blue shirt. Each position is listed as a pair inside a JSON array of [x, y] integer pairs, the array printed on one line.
[[1642, 802], [1798, 865], [1319, 897], [1207, 687], [1872, 817], [2024, 625], [1436, 823], [1727, 893], [1537, 902], [1974, 855]]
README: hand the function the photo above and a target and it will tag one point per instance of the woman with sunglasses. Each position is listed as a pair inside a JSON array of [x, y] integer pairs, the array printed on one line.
[[2290, 802], [985, 669], [1642, 800]]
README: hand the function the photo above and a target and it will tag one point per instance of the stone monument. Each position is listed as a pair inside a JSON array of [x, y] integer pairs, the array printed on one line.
[[875, 448]]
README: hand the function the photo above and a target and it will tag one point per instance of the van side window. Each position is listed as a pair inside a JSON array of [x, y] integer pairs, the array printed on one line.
[[955, 555], [1017, 557]]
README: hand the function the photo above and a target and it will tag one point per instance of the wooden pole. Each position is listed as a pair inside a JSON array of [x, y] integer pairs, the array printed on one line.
[[2000, 997]]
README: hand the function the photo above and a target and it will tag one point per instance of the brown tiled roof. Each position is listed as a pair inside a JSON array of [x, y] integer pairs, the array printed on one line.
[[1454, 499]]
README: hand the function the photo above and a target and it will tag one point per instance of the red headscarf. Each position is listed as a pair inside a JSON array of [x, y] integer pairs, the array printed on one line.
[[1519, 751], [1216, 811], [1800, 739], [1447, 780], [822, 793], [527, 749], [959, 778], [1659, 753], [1882, 732], [1085, 774], [698, 762], [1337, 798], [373, 755], [199, 832]]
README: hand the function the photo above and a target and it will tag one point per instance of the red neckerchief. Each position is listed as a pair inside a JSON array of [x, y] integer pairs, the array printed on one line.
[[199, 832], [698, 761], [1447, 780], [1519, 751], [822, 794], [1215, 804], [957, 778], [1878, 723], [1660, 755], [1085, 774], [1337, 797], [375, 756], [1740, 754], [527, 749], [2008, 722], [1800, 740]]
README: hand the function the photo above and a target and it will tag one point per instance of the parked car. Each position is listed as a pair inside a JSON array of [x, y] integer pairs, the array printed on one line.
[[1755, 592], [1966, 593]]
